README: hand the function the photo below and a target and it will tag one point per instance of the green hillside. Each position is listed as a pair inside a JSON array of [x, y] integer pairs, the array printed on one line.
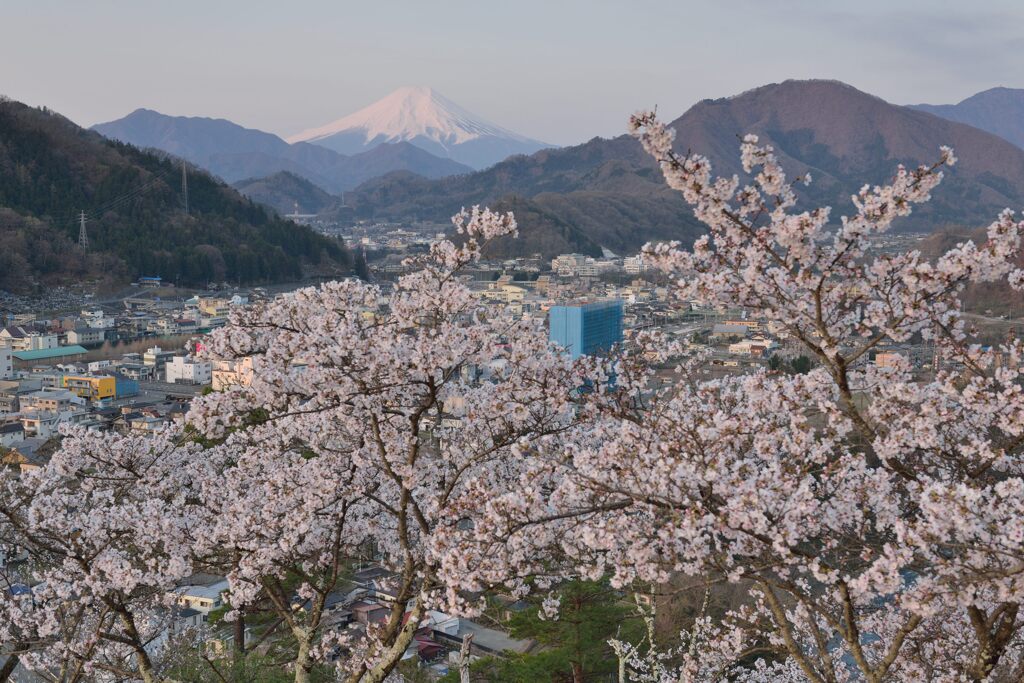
[[50, 169]]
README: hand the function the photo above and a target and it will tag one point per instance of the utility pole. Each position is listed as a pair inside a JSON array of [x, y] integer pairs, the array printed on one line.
[[83, 236], [184, 185]]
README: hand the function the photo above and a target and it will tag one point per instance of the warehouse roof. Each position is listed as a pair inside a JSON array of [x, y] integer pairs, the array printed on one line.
[[46, 354]]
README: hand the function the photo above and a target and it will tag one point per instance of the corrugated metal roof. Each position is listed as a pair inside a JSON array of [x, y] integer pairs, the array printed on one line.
[[44, 354]]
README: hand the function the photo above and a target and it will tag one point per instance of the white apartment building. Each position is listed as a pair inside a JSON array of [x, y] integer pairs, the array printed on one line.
[[634, 265], [98, 320], [568, 264], [188, 370]]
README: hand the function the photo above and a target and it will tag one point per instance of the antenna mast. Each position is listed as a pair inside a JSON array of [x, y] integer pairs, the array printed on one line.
[[83, 236]]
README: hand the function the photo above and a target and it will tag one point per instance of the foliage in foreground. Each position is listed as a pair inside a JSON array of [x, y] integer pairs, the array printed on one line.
[[876, 513]]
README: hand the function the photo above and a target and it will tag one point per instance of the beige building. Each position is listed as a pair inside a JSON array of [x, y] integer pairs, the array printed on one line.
[[228, 373]]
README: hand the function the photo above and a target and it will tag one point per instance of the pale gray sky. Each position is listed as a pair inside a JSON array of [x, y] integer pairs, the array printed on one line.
[[559, 70]]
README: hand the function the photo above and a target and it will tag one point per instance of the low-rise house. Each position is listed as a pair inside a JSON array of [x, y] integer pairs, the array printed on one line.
[[31, 453], [137, 372], [203, 596], [11, 433], [22, 339], [366, 612]]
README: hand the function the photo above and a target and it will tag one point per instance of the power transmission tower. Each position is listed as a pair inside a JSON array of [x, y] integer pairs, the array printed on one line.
[[184, 185], [83, 236]]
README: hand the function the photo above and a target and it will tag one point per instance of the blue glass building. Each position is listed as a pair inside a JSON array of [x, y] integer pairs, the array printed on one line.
[[586, 329]]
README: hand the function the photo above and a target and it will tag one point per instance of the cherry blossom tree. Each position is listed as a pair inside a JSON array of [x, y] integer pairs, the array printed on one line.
[[105, 532], [873, 512], [375, 424]]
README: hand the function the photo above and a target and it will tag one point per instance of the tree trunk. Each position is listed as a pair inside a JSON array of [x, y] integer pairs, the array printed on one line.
[[239, 639], [577, 672], [8, 668], [389, 658], [467, 646], [303, 658]]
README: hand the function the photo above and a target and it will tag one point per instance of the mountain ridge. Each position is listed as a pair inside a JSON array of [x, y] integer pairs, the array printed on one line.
[[841, 135], [998, 110], [427, 119], [236, 153]]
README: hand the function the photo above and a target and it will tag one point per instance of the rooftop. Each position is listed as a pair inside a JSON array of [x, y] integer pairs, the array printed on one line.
[[46, 354]]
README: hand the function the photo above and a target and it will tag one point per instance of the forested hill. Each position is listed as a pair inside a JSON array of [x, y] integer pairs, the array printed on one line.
[[50, 169]]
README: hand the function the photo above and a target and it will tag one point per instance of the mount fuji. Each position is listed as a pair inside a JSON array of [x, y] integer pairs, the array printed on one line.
[[427, 119]]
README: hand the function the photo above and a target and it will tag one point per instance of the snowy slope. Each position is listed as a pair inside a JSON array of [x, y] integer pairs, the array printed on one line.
[[426, 119]]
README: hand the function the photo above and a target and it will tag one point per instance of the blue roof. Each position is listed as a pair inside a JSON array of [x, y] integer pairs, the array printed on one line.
[[45, 354]]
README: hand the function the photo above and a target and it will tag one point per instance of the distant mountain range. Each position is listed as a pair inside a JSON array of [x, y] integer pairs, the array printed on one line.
[[235, 153], [608, 193], [427, 119], [50, 169], [998, 110], [600, 194]]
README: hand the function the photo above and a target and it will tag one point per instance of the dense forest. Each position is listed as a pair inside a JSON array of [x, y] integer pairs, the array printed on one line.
[[50, 169]]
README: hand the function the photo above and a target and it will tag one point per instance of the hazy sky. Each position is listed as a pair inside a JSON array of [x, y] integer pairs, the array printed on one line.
[[560, 71]]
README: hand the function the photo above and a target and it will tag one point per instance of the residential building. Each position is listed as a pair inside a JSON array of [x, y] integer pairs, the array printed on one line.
[[157, 358], [214, 307], [31, 453], [85, 335], [203, 597], [634, 265], [98, 320], [189, 370], [20, 339], [758, 346], [227, 373], [11, 433], [137, 371], [6, 363], [568, 264], [888, 359], [44, 424], [503, 292], [586, 329], [95, 388], [53, 400]]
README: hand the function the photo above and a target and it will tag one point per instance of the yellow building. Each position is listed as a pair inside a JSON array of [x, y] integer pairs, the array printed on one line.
[[92, 388]]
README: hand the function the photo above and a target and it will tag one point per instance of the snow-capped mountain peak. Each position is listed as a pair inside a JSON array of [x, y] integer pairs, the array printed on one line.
[[425, 118]]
